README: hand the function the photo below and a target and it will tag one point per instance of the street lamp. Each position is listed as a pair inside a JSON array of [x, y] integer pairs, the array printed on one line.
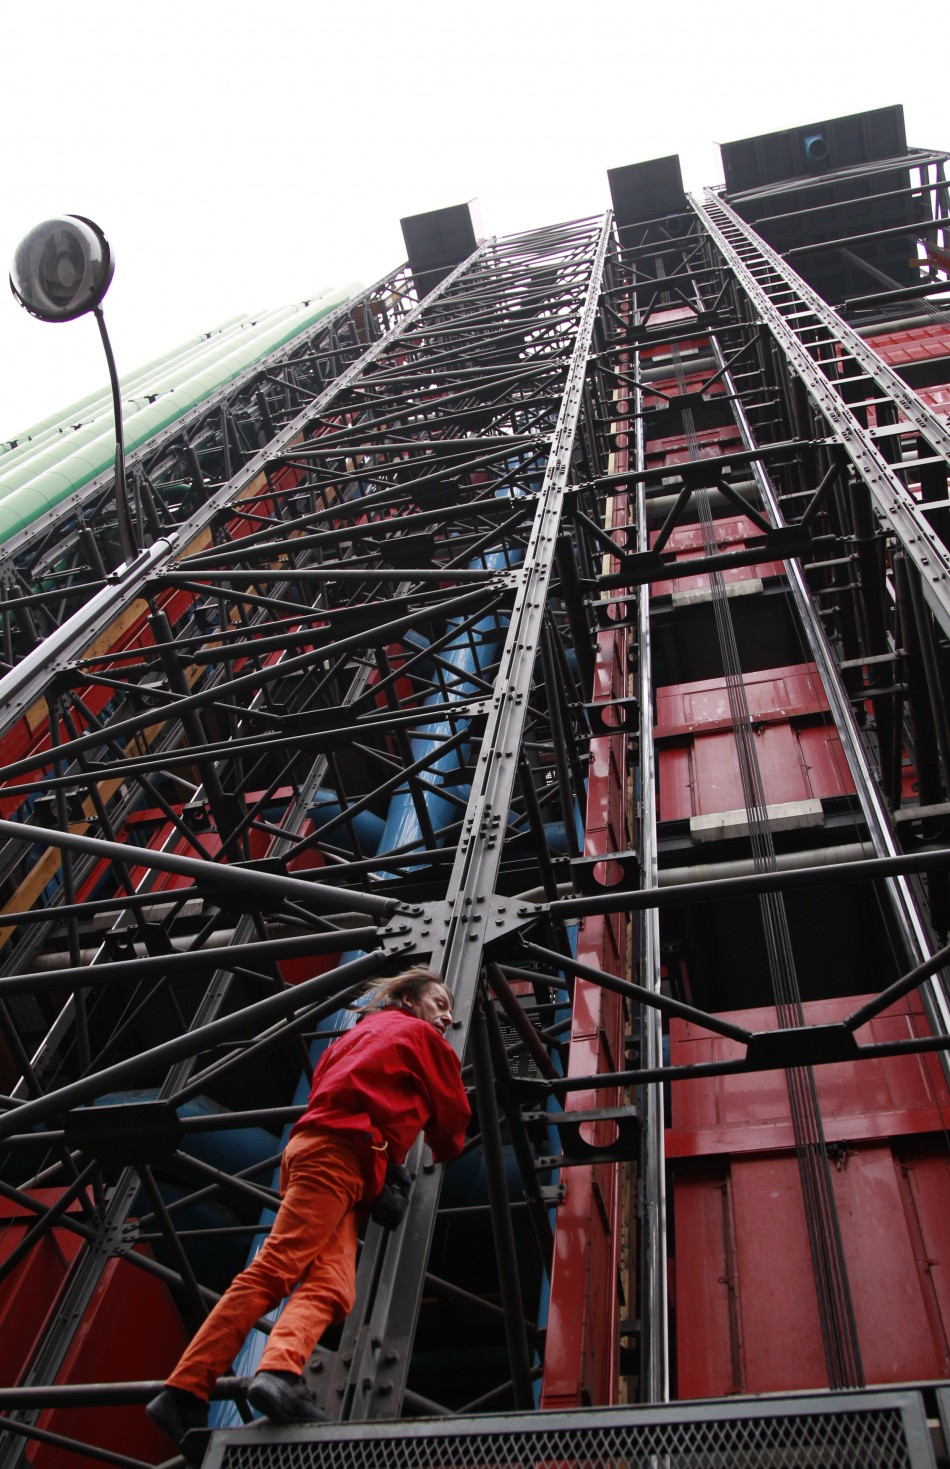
[[61, 270]]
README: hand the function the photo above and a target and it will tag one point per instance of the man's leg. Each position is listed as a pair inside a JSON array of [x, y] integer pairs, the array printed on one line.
[[324, 1296], [321, 1182]]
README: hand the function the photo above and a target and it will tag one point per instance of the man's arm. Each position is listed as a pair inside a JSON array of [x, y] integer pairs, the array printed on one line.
[[450, 1111]]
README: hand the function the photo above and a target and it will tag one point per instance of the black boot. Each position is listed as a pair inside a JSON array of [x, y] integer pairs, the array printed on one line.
[[283, 1399], [176, 1413]]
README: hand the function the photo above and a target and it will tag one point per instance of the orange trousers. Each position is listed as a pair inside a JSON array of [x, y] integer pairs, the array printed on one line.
[[312, 1245]]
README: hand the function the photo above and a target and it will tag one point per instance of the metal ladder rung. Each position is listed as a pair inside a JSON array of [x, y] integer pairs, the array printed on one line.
[[864, 403], [919, 464], [888, 430]]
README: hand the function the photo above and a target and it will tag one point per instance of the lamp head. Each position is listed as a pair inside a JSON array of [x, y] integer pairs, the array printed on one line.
[[62, 268]]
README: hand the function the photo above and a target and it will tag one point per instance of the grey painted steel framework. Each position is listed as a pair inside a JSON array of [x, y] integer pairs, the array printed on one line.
[[363, 609], [814, 405], [828, 357], [65, 557], [338, 714], [902, 458]]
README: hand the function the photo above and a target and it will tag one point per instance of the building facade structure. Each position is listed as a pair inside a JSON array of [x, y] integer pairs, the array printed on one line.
[[569, 611]]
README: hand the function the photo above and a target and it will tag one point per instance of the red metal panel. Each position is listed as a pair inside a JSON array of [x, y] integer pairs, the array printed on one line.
[[872, 1098], [780, 1329], [131, 1332], [799, 754], [730, 535], [675, 781], [926, 1197], [743, 1322], [28, 1294], [772, 693], [936, 397], [888, 1282], [918, 344], [705, 1327], [913, 345], [747, 1317], [797, 764], [708, 443], [747, 1314]]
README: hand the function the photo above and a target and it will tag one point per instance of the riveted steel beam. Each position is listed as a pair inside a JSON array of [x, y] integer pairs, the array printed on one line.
[[374, 1355], [817, 344]]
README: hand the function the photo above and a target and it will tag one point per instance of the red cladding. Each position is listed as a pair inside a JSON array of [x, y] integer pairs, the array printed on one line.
[[131, 1332], [874, 1098], [27, 1295], [747, 1312], [798, 749], [686, 542]]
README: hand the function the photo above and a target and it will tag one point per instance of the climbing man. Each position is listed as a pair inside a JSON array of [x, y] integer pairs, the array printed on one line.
[[374, 1090]]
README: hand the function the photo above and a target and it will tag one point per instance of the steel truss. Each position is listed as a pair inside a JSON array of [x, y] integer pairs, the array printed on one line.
[[350, 710], [368, 613], [873, 483], [816, 425], [902, 458], [66, 556]]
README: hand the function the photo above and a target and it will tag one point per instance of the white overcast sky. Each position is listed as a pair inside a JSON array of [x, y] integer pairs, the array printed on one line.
[[241, 155]]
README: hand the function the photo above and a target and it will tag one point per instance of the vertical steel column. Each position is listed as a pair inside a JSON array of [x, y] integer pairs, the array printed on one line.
[[502, 1232], [581, 1359], [377, 1339], [651, 1186]]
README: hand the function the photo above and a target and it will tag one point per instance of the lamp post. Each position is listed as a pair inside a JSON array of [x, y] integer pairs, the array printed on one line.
[[61, 270]]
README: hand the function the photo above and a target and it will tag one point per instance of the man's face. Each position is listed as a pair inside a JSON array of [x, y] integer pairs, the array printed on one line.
[[435, 1005]]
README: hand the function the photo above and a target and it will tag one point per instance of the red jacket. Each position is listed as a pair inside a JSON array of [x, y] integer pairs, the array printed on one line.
[[382, 1083]]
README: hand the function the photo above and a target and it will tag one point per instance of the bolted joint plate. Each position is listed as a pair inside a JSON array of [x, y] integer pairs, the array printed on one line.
[[801, 1045], [406, 934], [428, 929], [624, 1122]]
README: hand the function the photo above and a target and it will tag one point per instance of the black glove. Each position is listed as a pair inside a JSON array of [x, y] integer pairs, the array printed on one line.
[[390, 1208]]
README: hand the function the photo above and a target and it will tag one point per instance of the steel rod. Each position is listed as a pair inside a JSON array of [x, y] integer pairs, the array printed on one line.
[[505, 1252]]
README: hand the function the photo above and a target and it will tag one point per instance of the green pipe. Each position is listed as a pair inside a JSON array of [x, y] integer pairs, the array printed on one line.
[[177, 366], [36, 487], [187, 364], [60, 432], [54, 423]]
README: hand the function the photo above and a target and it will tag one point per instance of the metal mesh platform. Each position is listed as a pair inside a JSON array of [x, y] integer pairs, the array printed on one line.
[[834, 1431]]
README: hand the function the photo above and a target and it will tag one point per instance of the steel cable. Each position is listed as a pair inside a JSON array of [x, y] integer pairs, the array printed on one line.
[[832, 1286]]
